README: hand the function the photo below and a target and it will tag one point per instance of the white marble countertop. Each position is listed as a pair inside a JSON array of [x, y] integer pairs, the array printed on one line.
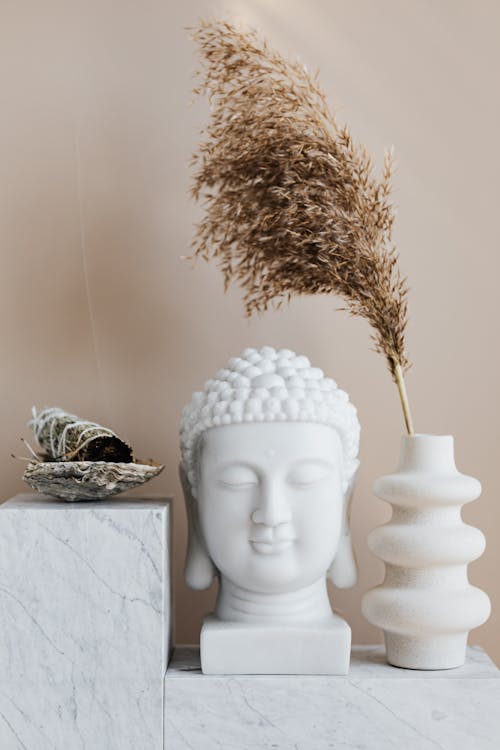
[[374, 707], [31, 501], [85, 613], [366, 661]]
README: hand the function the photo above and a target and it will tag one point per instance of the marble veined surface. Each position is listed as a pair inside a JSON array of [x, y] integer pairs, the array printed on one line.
[[376, 707], [85, 623]]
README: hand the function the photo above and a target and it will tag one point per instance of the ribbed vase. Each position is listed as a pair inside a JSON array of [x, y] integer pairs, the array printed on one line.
[[426, 605]]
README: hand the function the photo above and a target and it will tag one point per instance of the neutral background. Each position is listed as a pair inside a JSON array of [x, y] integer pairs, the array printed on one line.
[[99, 313]]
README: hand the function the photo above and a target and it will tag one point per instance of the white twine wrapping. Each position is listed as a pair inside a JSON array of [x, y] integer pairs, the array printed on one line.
[[57, 447]]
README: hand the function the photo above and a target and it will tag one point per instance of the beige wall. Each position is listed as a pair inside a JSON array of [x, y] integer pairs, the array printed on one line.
[[95, 140]]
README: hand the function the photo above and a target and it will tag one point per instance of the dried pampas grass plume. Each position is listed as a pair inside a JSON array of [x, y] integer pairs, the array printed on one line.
[[292, 205]]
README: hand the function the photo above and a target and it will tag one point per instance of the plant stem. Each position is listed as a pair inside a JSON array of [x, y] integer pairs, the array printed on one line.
[[398, 376]]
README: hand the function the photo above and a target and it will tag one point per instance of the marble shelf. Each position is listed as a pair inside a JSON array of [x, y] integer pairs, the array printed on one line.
[[85, 623], [85, 618], [376, 707]]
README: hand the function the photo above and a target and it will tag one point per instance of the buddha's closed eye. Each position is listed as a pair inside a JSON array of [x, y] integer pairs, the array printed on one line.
[[237, 478], [308, 473]]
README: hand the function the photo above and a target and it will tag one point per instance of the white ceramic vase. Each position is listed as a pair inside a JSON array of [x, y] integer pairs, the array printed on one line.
[[426, 606]]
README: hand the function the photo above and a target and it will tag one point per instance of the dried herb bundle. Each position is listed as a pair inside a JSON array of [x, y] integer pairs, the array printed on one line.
[[292, 204], [81, 460], [65, 437]]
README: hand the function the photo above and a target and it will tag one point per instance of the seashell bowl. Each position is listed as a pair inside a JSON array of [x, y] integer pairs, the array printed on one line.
[[88, 480]]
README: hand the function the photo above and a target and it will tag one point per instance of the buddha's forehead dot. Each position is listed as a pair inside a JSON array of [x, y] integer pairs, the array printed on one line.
[[270, 453]]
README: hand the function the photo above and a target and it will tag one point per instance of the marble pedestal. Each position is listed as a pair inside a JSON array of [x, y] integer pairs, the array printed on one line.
[[235, 648], [375, 707], [84, 623]]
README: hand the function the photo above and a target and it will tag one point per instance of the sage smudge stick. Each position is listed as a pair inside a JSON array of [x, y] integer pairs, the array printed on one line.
[[66, 437], [292, 204]]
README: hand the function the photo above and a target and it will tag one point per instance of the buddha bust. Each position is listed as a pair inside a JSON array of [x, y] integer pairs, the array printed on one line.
[[268, 461]]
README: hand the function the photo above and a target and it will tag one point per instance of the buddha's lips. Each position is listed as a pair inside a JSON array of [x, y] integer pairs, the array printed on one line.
[[272, 548], [272, 535], [272, 540]]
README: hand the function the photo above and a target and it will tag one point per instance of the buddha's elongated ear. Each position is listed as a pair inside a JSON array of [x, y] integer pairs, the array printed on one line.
[[199, 570], [343, 572]]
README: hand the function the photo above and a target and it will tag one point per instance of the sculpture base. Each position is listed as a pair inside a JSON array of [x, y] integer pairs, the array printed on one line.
[[240, 648]]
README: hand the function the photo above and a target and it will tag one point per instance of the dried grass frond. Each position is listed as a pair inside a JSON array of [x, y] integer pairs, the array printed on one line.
[[292, 204]]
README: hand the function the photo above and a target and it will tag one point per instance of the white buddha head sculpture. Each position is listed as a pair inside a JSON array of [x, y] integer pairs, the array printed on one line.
[[268, 460]]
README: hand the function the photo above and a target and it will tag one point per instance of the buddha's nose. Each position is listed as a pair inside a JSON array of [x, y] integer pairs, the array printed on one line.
[[273, 507]]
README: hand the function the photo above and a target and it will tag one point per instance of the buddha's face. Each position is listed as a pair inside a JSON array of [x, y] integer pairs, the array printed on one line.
[[270, 502]]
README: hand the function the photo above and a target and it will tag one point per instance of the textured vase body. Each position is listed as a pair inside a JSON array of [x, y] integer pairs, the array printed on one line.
[[426, 606]]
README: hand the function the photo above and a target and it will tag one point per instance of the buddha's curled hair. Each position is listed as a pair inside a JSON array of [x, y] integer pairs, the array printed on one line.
[[269, 385]]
